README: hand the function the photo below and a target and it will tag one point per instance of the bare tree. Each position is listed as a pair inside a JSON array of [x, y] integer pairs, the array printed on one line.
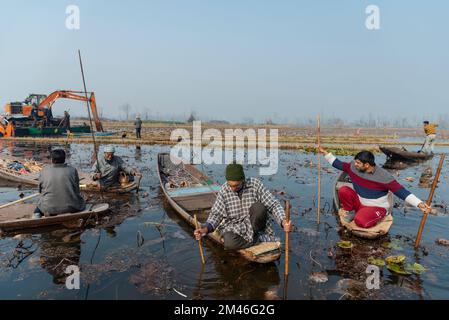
[[147, 113], [126, 108], [192, 117]]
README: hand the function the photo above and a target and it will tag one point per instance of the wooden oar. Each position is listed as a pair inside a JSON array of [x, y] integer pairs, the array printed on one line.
[[319, 172], [200, 242], [429, 201], [287, 218], [19, 201]]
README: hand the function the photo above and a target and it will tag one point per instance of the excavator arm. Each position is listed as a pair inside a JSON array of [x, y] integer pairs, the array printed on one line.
[[74, 95]]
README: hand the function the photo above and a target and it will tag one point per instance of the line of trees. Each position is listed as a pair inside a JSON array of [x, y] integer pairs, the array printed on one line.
[[366, 121]]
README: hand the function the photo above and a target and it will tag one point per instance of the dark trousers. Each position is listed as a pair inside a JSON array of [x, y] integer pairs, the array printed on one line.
[[258, 217], [138, 136]]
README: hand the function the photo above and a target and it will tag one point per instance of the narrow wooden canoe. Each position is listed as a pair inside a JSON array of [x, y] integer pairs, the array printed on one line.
[[30, 176], [190, 192], [18, 217], [345, 218], [89, 185], [402, 154]]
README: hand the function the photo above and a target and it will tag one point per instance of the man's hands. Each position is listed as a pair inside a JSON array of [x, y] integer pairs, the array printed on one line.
[[287, 226], [424, 207], [321, 150], [97, 176], [199, 233]]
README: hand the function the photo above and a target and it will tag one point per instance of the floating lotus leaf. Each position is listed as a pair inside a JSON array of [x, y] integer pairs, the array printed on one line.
[[396, 268], [416, 268], [376, 262], [395, 259], [391, 245], [345, 244]]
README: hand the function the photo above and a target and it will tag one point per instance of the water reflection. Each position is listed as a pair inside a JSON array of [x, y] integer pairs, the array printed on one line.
[[58, 250], [236, 276], [425, 180]]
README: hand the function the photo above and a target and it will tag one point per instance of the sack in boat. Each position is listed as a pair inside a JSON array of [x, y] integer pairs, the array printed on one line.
[[16, 166]]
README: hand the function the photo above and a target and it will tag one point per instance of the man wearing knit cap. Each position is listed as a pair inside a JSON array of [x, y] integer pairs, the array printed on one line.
[[243, 212], [106, 172]]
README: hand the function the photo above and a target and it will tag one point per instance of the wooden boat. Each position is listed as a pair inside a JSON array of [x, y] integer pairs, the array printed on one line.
[[402, 154], [190, 192], [18, 217], [89, 185], [345, 218], [31, 169], [29, 175]]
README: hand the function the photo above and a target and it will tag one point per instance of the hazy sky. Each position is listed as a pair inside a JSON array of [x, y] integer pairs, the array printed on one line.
[[229, 59]]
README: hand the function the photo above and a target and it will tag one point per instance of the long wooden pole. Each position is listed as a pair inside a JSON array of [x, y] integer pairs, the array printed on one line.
[[90, 119], [200, 242], [19, 201], [429, 201], [319, 171], [287, 218]]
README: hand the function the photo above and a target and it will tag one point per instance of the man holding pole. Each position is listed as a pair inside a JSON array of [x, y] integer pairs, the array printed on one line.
[[107, 169], [369, 198], [430, 131], [242, 211]]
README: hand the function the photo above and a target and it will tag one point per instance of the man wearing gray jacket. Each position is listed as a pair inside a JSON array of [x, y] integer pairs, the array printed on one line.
[[59, 188], [107, 170]]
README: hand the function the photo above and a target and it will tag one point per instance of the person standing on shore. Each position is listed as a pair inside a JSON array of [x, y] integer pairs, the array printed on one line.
[[138, 126]]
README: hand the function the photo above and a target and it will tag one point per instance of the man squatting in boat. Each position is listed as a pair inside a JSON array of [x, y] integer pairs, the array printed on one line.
[[369, 198], [242, 212]]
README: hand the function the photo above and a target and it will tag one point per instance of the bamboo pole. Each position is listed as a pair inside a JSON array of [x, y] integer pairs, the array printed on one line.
[[90, 119], [287, 218], [19, 201], [319, 171], [200, 242], [429, 201]]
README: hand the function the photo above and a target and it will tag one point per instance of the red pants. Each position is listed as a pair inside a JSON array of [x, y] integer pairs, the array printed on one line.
[[365, 217]]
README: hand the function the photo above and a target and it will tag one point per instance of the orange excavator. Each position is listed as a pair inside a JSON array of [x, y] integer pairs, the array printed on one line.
[[21, 118]]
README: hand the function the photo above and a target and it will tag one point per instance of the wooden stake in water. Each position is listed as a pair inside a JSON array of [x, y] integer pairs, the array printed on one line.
[[319, 172], [429, 201], [200, 242], [287, 219]]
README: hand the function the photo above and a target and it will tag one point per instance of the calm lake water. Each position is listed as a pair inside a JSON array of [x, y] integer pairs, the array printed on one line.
[[142, 250]]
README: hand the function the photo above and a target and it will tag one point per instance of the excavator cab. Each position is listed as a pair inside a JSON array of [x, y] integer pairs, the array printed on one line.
[[25, 108]]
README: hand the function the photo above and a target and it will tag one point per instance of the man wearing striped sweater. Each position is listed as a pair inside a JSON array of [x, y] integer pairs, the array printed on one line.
[[369, 197]]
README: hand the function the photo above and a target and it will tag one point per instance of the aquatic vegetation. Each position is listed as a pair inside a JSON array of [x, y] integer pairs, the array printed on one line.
[[345, 244]]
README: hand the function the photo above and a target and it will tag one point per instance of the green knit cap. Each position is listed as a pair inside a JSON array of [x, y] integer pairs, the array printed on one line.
[[234, 172]]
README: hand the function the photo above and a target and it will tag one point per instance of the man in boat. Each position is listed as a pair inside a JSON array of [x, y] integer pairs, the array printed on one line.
[[430, 131], [242, 212], [108, 168], [59, 188], [369, 198]]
